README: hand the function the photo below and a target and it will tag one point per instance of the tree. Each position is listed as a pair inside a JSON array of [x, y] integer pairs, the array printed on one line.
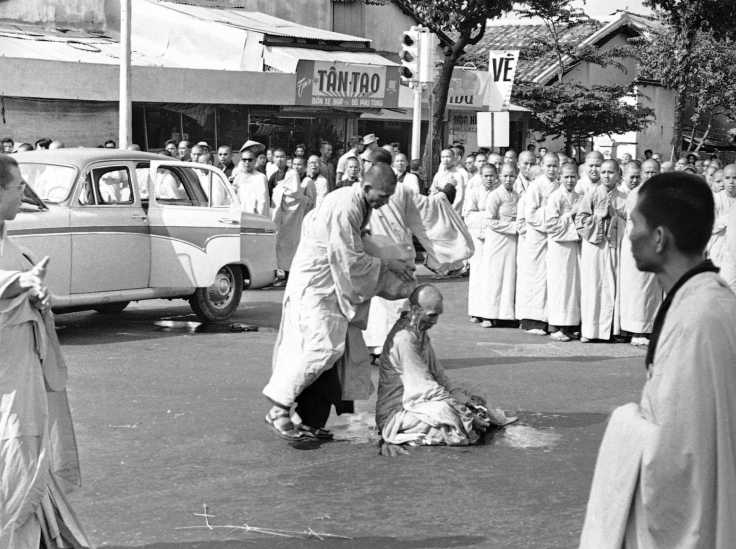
[[709, 88], [463, 24], [688, 18], [569, 109]]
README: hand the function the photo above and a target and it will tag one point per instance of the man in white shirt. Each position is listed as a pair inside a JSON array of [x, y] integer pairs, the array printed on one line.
[[252, 186], [404, 176], [356, 148]]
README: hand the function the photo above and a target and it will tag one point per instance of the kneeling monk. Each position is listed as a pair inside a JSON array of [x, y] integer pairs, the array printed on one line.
[[417, 403]]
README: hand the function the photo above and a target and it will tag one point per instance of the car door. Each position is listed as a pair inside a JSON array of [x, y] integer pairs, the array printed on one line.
[[111, 247], [194, 219]]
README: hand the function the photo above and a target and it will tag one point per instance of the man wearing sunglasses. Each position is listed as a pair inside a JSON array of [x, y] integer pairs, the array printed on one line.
[[252, 185]]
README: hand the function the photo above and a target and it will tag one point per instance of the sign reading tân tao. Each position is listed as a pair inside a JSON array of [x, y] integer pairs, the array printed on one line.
[[326, 84]]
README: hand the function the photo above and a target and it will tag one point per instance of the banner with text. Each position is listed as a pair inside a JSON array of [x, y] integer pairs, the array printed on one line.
[[502, 70], [326, 84]]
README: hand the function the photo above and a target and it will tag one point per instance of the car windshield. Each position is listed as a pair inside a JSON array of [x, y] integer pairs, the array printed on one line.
[[52, 183]]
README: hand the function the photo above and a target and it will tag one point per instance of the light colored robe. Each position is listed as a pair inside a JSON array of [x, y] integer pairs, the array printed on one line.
[[533, 276], [563, 253], [438, 228], [601, 238], [417, 402], [39, 460], [476, 219], [455, 177], [666, 471], [727, 259], [521, 257], [292, 200], [326, 301], [640, 294], [584, 184], [717, 243], [499, 255], [321, 188], [253, 193]]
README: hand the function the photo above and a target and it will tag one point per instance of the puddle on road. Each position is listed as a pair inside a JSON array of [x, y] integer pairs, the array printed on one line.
[[200, 328], [521, 436]]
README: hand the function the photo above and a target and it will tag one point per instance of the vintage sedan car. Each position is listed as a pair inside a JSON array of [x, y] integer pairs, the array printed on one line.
[[124, 226]]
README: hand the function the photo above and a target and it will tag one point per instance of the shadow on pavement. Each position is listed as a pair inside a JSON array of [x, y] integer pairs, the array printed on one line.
[[372, 542], [458, 363]]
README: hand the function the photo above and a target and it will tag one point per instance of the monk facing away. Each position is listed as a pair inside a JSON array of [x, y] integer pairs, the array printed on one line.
[[417, 403], [666, 471]]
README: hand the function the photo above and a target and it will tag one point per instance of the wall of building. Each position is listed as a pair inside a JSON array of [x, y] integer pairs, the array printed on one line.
[[74, 14], [658, 136], [589, 74], [384, 26]]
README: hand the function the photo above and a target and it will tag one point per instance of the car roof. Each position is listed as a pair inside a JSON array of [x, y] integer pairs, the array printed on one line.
[[83, 156]]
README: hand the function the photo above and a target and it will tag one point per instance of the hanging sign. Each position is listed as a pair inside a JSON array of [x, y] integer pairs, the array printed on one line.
[[326, 84], [502, 70]]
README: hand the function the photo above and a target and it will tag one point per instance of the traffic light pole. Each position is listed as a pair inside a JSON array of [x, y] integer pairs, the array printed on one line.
[[416, 123]]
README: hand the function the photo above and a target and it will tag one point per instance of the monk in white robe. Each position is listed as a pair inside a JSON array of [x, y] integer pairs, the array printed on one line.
[[325, 309], [591, 174], [441, 232], [474, 179], [293, 198], [666, 470], [252, 186], [477, 222], [449, 174], [321, 185], [533, 277], [724, 207], [563, 251], [601, 222], [499, 250], [39, 464], [418, 404], [640, 294]]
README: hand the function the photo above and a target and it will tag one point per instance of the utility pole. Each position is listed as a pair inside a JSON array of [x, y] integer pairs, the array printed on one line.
[[126, 109]]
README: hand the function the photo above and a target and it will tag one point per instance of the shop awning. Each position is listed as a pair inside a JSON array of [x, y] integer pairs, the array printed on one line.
[[286, 59]]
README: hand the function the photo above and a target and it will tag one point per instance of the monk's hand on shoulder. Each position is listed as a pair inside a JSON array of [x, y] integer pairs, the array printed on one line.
[[400, 268], [33, 282]]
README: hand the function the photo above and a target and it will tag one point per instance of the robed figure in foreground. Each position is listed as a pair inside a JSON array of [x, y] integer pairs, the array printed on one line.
[[326, 307], [666, 470], [38, 452]]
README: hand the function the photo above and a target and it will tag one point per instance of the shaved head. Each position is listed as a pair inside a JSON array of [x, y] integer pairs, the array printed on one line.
[[57, 145], [667, 167], [649, 169], [550, 157], [426, 296], [527, 156], [594, 155]]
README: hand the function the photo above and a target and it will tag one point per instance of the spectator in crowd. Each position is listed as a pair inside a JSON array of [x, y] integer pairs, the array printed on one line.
[[300, 150], [252, 186], [396, 148], [510, 157], [43, 143], [326, 169], [225, 157], [320, 183], [110, 144], [416, 168], [171, 147], [185, 151], [279, 160], [352, 173], [356, 148], [370, 143], [262, 162], [8, 145], [403, 176], [197, 152]]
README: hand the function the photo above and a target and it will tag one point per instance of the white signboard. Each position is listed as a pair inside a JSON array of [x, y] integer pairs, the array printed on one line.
[[493, 129], [502, 70]]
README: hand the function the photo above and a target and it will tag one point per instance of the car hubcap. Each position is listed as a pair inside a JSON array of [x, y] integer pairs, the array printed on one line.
[[221, 292]]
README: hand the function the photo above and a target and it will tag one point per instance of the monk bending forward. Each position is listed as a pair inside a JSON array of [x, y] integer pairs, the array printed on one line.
[[417, 402]]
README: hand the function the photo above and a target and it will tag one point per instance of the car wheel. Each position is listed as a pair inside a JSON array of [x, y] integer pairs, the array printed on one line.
[[221, 300], [112, 308]]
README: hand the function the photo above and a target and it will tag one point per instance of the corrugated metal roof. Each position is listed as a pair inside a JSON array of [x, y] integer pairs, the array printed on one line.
[[286, 59], [258, 22]]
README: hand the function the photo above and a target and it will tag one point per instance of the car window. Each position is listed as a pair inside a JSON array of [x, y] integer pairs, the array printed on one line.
[[50, 182], [142, 174], [178, 186], [215, 189], [108, 186]]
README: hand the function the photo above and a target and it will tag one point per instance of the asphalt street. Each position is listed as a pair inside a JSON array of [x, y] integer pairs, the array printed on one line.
[[170, 420]]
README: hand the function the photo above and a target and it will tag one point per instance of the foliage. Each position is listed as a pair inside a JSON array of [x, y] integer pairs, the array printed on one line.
[[687, 19], [578, 113], [569, 109], [708, 87], [462, 23]]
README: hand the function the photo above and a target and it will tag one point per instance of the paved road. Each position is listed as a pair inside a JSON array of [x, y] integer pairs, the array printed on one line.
[[168, 421]]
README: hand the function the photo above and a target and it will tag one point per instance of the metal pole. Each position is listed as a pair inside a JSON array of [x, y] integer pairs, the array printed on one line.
[[430, 130], [126, 110], [416, 125]]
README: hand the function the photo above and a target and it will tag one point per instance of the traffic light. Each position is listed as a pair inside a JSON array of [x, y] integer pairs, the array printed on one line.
[[409, 54]]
